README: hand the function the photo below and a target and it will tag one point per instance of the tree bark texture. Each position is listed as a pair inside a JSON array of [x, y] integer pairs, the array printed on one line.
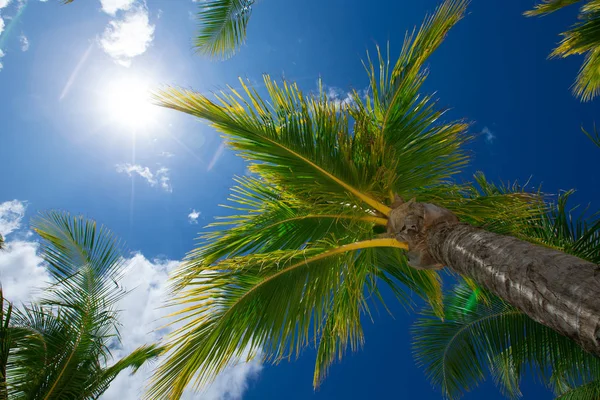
[[553, 288]]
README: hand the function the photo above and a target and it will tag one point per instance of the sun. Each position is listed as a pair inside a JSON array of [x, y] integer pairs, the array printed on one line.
[[128, 104]]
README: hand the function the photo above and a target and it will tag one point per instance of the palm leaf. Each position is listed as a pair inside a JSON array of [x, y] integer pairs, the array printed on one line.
[[222, 26], [270, 302], [588, 391], [549, 6], [595, 138], [582, 38], [98, 384], [497, 337]]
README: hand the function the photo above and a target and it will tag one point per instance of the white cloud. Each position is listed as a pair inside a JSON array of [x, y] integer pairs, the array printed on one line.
[[128, 37], [1, 24], [167, 154], [144, 172], [112, 6], [338, 96], [24, 42], [1, 54], [21, 271], [193, 216], [488, 135], [159, 178], [11, 214], [163, 179], [4, 3]]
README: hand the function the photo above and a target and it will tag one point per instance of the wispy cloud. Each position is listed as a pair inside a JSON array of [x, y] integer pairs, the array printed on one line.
[[164, 180], [24, 42], [11, 214], [159, 178], [488, 135], [216, 156], [4, 3], [128, 37], [193, 216], [167, 154]]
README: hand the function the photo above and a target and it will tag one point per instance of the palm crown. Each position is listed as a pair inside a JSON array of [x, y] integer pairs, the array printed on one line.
[[59, 348], [301, 261]]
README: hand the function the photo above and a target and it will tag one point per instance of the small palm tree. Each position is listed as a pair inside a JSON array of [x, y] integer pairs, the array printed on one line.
[[323, 223], [59, 348], [480, 331], [582, 38]]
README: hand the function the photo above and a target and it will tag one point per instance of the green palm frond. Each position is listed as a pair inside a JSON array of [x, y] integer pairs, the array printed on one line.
[[594, 137], [300, 143], [482, 333], [276, 303], [223, 26], [267, 219], [582, 38], [404, 123], [476, 338], [135, 360], [560, 229], [588, 391], [549, 6]]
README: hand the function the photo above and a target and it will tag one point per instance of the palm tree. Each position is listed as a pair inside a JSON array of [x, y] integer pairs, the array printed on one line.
[[323, 223], [481, 331], [59, 348], [582, 38]]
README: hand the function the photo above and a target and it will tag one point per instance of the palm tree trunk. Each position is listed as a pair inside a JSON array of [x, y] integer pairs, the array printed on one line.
[[553, 288]]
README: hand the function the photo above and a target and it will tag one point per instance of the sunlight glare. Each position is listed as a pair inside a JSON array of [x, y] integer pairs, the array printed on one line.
[[128, 103]]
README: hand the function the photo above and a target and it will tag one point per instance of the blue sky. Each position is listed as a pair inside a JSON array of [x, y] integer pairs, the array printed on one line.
[[155, 182]]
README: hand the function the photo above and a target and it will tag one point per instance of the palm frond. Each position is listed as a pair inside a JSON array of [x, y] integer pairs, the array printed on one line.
[[588, 391], [476, 338], [396, 117], [549, 6], [98, 384], [223, 26], [268, 218], [274, 302], [300, 143], [582, 38], [594, 137]]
